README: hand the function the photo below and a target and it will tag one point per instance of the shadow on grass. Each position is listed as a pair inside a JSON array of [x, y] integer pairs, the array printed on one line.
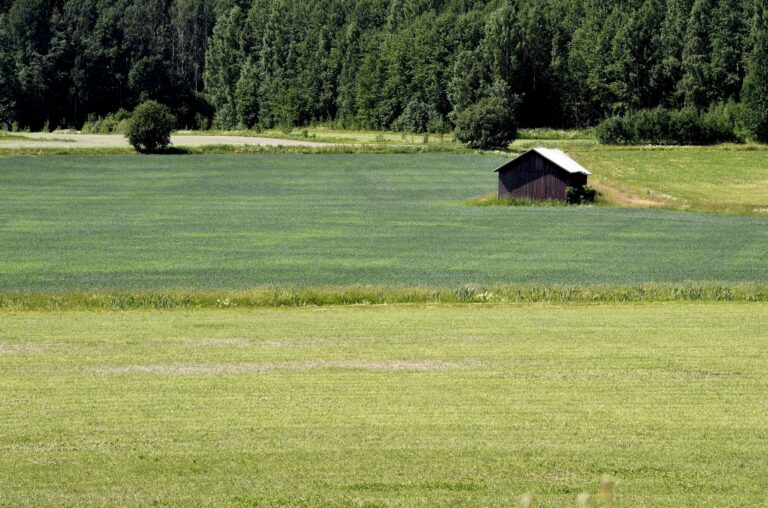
[[170, 150]]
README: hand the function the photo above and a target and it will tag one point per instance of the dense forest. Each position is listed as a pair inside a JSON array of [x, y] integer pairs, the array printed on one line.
[[411, 64]]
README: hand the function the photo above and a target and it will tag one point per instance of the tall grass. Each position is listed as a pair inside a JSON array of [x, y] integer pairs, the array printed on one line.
[[492, 199], [555, 134], [382, 295]]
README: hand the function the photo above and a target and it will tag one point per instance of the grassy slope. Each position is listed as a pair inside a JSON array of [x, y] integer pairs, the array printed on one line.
[[207, 222], [408, 404], [709, 179]]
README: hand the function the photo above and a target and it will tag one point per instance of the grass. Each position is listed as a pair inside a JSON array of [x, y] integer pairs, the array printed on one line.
[[726, 179], [281, 296], [556, 134], [5, 135], [200, 329], [386, 405], [203, 223], [704, 179], [325, 134], [234, 149], [11, 135], [336, 135], [492, 199]]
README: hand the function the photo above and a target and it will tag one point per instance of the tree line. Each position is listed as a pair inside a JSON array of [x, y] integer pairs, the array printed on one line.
[[405, 64]]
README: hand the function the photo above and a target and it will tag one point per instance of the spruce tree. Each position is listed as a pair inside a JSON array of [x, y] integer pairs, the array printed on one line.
[[222, 68], [246, 95], [671, 41], [697, 80], [7, 80], [755, 92], [728, 34]]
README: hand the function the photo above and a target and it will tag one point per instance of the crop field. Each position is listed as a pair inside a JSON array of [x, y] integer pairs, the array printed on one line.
[[385, 405], [235, 222]]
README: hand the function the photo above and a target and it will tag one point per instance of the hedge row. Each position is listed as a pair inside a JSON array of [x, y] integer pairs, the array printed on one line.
[[669, 127]]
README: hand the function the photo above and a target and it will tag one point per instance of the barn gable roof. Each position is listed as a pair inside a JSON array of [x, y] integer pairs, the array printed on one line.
[[556, 157]]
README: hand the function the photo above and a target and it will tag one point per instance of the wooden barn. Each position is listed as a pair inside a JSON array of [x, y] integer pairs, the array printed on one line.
[[540, 173]]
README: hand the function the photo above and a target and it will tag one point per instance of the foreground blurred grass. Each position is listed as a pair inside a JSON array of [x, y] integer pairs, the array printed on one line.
[[395, 405]]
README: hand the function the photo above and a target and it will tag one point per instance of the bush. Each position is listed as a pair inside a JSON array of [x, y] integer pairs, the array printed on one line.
[[113, 123], [581, 195], [149, 129], [438, 123], [734, 114], [653, 126], [415, 118], [677, 127], [487, 125], [615, 131]]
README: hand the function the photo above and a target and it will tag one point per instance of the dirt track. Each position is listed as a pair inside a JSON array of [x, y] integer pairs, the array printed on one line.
[[56, 140]]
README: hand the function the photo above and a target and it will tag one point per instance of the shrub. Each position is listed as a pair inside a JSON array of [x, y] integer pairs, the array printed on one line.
[[664, 127], [719, 124], [615, 131], [488, 125], [653, 126], [438, 124], [581, 195], [415, 118], [686, 129], [492, 199], [202, 122], [149, 129], [113, 123]]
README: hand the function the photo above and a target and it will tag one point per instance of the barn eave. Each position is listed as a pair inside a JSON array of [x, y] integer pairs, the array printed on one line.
[[555, 156]]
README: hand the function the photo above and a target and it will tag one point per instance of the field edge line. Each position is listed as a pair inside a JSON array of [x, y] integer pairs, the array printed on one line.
[[284, 296]]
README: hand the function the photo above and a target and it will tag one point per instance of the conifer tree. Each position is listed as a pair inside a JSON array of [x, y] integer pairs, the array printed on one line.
[[222, 68], [672, 41], [755, 93], [698, 75], [246, 95]]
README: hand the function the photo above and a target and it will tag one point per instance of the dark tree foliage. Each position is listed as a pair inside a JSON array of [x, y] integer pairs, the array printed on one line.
[[487, 125], [756, 82], [63, 60], [415, 117], [150, 126], [664, 127], [582, 195], [371, 63]]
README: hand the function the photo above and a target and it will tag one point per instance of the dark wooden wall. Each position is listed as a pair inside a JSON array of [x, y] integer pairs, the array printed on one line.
[[535, 177]]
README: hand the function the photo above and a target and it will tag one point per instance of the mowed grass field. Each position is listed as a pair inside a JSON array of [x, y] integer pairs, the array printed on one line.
[[385, 405], [146, 223], [729, 180]]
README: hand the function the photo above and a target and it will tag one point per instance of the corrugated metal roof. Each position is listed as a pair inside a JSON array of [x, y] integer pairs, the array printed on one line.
[[557, 157]]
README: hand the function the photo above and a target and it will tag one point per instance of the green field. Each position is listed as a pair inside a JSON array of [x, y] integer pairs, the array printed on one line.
[[730, 180], [389, 405], [237, 222], [381, 405]]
